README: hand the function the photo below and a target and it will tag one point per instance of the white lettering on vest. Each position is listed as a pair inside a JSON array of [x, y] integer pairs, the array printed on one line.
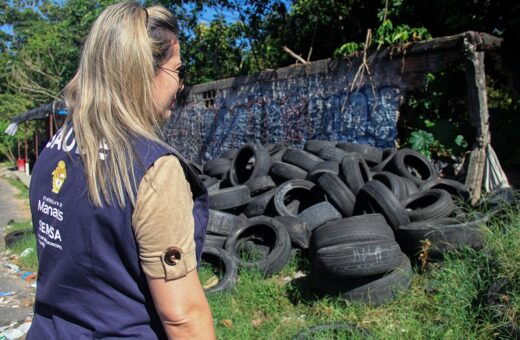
[[49, 230], [58, 140], [50, 211], [68, 145]]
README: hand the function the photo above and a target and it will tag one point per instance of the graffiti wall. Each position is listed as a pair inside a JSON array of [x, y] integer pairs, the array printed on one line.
[[293, 108]]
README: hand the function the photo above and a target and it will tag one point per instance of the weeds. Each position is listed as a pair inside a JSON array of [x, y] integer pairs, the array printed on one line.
[[23, 192], [449, 299], [446, 299]]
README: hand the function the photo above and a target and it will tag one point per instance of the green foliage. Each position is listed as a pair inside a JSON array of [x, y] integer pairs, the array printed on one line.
[[445, 117], [40, 51], [10, 105], [421, 141], [29, 262], [348, 49], [388, 34], [504, 123], [447, 301], [23, 192], [213, 52], [461, 142]]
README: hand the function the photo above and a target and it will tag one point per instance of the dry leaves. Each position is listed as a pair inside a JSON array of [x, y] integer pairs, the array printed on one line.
[[227, 323]]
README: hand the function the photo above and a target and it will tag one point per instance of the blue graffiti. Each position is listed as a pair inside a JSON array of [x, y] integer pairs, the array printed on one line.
[[292, 111]]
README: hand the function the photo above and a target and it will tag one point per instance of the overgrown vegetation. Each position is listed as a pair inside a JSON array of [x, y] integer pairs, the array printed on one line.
[[449, 300], [40, 43], [23, 192], [28, 262]]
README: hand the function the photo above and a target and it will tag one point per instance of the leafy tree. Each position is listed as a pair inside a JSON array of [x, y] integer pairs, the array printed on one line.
[[10, 105], [214, 52]]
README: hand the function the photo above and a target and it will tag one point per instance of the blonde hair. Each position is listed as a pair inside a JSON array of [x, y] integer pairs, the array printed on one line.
[[110, 97]]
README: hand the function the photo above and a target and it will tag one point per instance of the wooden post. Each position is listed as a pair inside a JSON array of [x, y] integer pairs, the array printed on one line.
[[51, 126], [478, 114], [36, 143], [26, 151]]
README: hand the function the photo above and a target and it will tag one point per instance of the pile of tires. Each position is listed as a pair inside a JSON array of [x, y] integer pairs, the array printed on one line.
[[358, 259], [354, 209]]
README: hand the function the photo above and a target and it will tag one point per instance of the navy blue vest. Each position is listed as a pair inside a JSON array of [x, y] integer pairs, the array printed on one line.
[[90, 283]]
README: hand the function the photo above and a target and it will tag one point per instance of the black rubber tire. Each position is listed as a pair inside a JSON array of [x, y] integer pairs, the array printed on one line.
[[260, 184], [221, 258], [267, 231], [218, 167], [222, 223], [388, 154], [214, 187], [357, 259], [332, 154], [314, 146], [378, 198], [312, 331], [210, 182], [229, 198], [499, 200], [298, 231], [429, 204], [275, 148], [373, 290], [286, 172], [276, 151], [321, 168], [392, 182], [277, 157], [338, 193], [458, 214], [195, 167], [355, 172], [259, 204], [240, 174], [300, 158], [408, 187], [318, 215], [444, 234], [16, 236], [297, 190], [229, 154], [215, 241], [352, 229], [369, 153], [412, 165], [455, 188]]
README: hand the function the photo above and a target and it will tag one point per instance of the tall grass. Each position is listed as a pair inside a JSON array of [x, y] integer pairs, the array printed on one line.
[[447, 301], [29, 262]]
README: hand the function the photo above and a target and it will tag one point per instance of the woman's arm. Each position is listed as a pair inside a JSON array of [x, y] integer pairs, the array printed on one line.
[[163, 225], [182, 307]]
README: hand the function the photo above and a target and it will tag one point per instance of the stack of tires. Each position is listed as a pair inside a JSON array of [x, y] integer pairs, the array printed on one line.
[[359, 259], [356, 208]]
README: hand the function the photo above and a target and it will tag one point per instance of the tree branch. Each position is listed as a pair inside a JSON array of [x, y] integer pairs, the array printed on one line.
[[294, 55]]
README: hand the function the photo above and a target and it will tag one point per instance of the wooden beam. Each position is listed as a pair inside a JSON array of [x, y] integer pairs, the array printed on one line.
[[478, 115]]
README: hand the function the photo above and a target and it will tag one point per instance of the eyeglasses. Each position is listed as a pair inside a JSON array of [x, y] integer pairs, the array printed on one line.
[[181, 72]]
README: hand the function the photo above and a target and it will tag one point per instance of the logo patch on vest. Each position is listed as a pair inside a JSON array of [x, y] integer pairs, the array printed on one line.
[[58, 177]]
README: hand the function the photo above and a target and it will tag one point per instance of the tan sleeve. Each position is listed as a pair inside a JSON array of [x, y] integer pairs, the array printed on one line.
[[163, 221]]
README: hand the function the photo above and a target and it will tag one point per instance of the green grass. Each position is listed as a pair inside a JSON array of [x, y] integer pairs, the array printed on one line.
[[29, 262], [447, 301], [23, 192]]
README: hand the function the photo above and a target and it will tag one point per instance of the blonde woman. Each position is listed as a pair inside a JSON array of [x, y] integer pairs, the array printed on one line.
[[119, 217]]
